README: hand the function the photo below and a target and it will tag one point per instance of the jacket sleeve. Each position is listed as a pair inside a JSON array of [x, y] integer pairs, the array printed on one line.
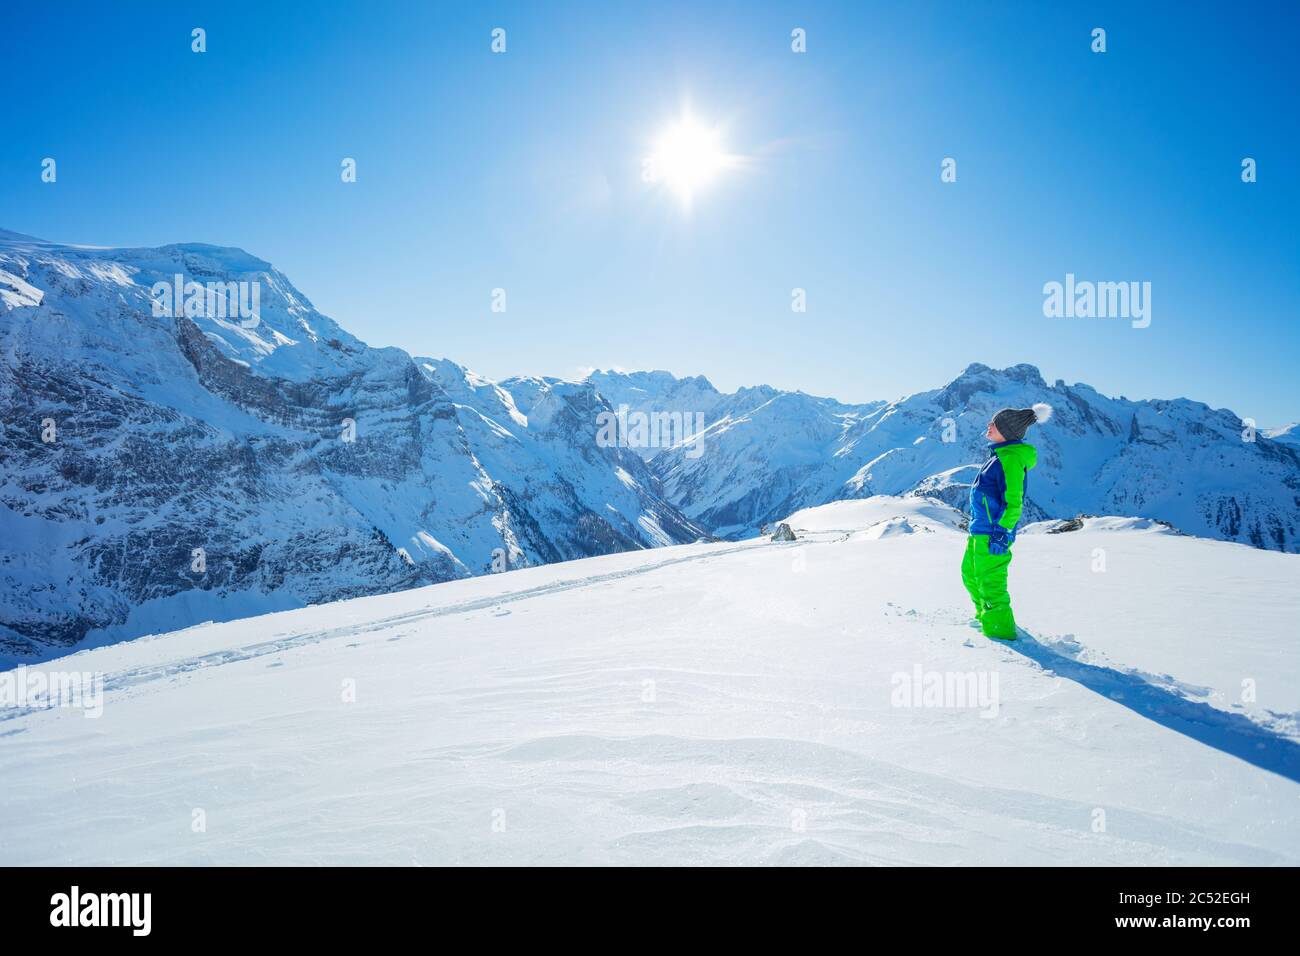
[[1014, 473]]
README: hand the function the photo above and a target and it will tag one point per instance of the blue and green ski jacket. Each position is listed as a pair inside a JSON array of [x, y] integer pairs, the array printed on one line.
[[998, 493]]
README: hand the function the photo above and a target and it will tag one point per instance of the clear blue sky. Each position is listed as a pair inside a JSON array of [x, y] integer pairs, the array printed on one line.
[[522, 171]]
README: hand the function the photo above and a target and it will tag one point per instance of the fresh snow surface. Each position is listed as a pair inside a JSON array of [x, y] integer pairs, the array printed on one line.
[[729, 703]]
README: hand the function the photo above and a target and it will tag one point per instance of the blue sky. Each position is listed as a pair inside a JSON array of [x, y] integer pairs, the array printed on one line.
[[522, 171]]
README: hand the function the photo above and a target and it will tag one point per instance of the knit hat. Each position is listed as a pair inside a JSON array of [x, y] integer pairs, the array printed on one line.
[[1013, 422]]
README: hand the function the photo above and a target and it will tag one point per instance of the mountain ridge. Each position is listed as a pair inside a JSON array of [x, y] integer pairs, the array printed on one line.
[[164, 469], [1175, 460], [212, 465]]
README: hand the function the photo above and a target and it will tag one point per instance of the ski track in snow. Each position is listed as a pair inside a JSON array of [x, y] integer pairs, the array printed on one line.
[[130, 678]]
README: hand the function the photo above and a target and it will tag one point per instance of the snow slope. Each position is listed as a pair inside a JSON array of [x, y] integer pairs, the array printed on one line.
[[733, 703]]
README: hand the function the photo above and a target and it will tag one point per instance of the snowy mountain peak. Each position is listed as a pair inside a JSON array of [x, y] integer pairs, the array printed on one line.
[[248, 310], [204, 463], [977, 378], [1287, 434], [656, 381]]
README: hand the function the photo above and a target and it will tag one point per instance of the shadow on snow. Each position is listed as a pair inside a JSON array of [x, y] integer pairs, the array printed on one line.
[[1231, 733]]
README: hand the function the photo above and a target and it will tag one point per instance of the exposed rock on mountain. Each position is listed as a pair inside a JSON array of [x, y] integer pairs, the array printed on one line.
[[162, 470]]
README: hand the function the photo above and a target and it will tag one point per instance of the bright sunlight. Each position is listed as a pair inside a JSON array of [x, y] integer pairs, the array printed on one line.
[[687, 156]]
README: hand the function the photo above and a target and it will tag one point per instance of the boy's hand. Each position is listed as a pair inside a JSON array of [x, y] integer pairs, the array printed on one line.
[[1000, 541]]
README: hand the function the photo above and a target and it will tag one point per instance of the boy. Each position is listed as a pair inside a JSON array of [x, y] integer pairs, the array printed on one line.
[[995, 503]]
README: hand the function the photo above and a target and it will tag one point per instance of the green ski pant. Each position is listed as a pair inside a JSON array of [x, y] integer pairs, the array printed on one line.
[[985, 577]]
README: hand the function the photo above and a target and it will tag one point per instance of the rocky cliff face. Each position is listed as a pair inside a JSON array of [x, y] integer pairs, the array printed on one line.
[[163, 470]]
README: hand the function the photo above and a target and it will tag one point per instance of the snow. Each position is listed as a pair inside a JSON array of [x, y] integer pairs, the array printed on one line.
[[864, 513], [1287, 434], [728, 703], [1107, 523], [16, 293]]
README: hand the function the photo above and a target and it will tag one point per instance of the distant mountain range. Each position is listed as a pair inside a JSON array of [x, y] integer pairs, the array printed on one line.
[[167, 466], [767, 453], [1289, 434]]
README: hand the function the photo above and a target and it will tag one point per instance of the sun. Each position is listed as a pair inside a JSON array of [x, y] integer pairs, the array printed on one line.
[[686, 157]]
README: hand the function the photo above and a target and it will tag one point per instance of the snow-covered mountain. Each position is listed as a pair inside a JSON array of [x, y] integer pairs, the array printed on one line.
[[1288, 434], [161, 470], [166, 467], [765, 453], [817, 702]]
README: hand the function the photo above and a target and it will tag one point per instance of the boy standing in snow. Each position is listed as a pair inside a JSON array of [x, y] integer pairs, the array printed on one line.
[[995, 502]]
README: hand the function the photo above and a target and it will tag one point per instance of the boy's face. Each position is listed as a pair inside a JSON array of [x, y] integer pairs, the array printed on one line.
[[993, 434]]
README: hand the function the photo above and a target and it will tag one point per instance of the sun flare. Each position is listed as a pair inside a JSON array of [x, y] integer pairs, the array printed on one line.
[[687, 156]]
